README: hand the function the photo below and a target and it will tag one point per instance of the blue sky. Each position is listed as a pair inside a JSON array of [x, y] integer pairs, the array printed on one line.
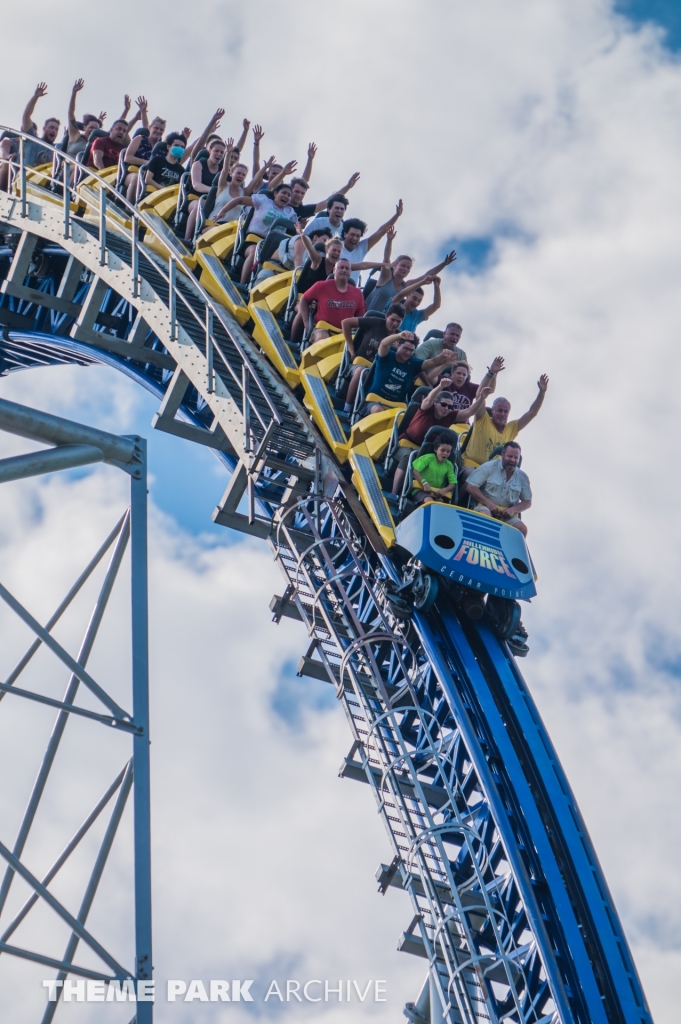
[[666, 13]]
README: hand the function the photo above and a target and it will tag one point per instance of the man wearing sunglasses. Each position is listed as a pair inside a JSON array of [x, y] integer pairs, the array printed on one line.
[[437, 410]]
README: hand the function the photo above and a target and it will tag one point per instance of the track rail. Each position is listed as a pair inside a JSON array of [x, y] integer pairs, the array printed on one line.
[[511, 910]]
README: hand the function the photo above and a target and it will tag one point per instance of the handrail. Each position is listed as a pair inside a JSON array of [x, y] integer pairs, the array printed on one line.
[[137, 217]]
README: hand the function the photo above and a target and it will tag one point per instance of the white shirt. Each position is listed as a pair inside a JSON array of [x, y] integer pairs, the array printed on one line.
[[491, 479], [356, 255]]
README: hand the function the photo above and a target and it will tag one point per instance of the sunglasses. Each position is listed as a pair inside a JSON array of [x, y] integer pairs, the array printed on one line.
[[445, 405]]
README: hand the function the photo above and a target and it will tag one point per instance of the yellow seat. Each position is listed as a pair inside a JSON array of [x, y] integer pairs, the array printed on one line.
[[278, 299], [371, 397], [220, 239], [271, 284], [361, 361], [253, 239], [322, 325], [160, 195], [321, 349], [375, 423]]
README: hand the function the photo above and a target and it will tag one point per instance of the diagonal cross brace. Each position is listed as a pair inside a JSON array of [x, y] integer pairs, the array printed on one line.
[[75, 589], [64, 856], [72, 922], [64, 707], [63, 655]]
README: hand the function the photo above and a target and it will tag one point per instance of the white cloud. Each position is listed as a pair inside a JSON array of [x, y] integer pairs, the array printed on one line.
[[554, 130]]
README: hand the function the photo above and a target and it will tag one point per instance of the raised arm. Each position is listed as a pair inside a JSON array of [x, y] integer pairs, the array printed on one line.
[[256, 181], [490, 378], [289, 168], [437, 298], [321, 205], [386, 272], [449, 258], [391, 339], [212, 125], [142, 111], [430, 399], [241, 142], [224, 173], [431, 364], [127, 103], [311, 154], [384, 228], [316, 257], [73, 129], [527, 417], [478, 405], [257, 138], [27, 116]]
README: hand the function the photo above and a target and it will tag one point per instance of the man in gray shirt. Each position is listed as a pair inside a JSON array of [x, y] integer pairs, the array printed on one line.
[[34, 153], [502, 489], [449, 340]]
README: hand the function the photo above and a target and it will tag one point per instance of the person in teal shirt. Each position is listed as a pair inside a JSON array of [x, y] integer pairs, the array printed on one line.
[[435, 475]]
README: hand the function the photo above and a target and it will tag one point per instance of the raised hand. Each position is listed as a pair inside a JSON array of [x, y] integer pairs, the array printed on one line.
[[391, 234], [40, 90], [217, 116], [290, 167], [257, 133], [229, 145], [497, 364], [102, 116], [450, 257], [485, 392], [312, 151], [141, 102], [543, 383], [186, 132], [436, 280], [78, 84], [127, 102], [354, 178], [246, 123], [406, 336], [399, 209]]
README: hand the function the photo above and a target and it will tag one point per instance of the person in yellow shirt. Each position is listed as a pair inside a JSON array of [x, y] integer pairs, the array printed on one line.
[[491, 429]]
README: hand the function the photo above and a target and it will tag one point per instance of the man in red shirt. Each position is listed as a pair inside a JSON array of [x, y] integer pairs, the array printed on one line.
[[106, 150], [437, 410], [336, 300]]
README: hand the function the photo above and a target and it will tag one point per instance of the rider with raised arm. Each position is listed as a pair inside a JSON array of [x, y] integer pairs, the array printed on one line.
[[34, 153]]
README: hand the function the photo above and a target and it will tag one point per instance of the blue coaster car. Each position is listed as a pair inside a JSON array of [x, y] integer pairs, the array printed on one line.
[[471, 549]]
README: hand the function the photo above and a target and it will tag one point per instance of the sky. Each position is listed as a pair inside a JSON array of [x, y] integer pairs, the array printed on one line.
[[542, 141]]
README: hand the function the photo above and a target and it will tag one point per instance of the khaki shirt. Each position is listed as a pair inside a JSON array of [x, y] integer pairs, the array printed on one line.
[[491, 479]]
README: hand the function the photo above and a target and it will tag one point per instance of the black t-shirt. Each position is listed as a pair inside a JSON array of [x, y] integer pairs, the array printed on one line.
[[375, 331], [207, 176], [163, 172], [309, 276]]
